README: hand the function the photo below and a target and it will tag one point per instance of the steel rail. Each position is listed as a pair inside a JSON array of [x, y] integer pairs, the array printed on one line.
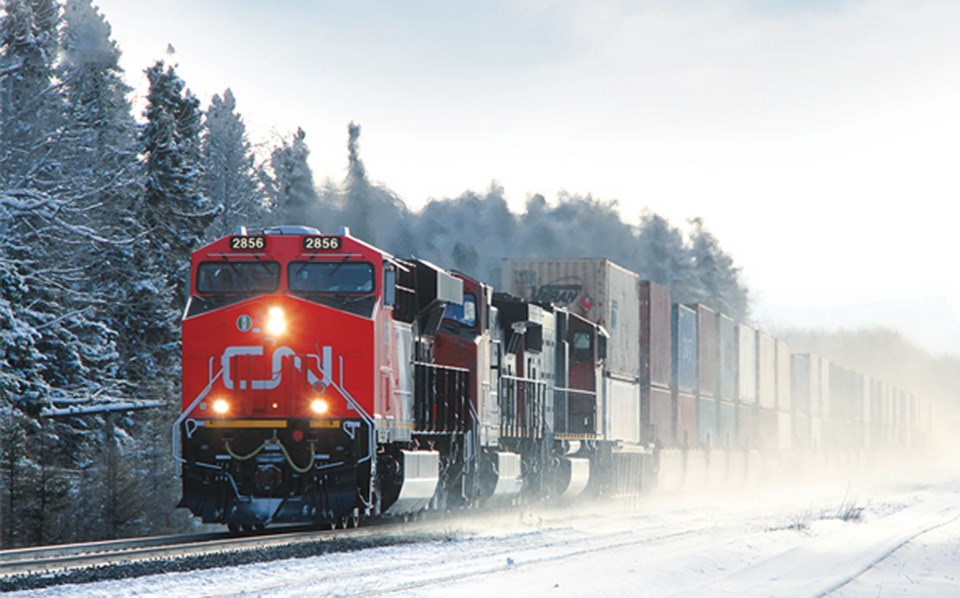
[[48, 559]]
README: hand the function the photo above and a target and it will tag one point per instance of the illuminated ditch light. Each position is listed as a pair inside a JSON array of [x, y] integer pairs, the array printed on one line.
[[276, 321]]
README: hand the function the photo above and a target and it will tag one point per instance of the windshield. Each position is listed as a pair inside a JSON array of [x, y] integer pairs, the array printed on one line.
[[331, 277], [238, 277], [465, 314]]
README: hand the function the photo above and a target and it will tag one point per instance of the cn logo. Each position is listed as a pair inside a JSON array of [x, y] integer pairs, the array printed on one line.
[[244, 323], [316, 368]]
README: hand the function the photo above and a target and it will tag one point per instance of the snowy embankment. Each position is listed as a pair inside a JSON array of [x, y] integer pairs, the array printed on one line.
[[847, 538]]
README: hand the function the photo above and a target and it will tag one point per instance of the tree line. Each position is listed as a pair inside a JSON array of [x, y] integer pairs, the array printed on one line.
[[100, 208]]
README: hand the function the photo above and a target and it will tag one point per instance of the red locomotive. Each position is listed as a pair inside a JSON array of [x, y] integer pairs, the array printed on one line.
[[325, 380]]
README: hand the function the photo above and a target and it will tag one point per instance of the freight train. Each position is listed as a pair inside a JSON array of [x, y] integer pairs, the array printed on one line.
[[325, 381]]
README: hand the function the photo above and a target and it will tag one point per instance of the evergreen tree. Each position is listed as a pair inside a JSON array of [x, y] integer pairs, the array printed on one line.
[[45, 239], [483, 222], [371, 210], [663, 258], [292, 192], [229, 176], [720, 286], [16, 468], [29, 111], [578, 226], [21, 383], [174, 211], [358, 211], [101, 161], [101, 131]]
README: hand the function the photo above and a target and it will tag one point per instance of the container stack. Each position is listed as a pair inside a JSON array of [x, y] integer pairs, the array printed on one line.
[[729, 388], [821, 411], [747, 387], [656, 369], [804, 393], [784, 398], [766, 392], [685, 375], [708, 376]]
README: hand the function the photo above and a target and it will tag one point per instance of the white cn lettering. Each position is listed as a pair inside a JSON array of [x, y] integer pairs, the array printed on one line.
[[229, 354], [313, 367]]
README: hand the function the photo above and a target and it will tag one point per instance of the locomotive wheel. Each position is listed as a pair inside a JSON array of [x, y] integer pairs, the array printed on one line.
[[234, 528]]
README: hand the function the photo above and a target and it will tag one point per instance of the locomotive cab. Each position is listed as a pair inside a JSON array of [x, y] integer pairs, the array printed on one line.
[[282, 355]]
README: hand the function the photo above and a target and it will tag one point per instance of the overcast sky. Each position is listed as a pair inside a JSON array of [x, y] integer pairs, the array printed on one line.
[[818, 139]]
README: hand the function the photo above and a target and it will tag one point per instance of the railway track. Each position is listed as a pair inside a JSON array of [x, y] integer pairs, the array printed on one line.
[[45, 566], [519, 545], [54, 561], [45, 558], [890, 551]]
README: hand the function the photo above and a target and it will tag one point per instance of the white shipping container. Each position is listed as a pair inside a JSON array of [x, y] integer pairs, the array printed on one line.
[[747, 364], [824, 388], [622, 417], [866, 410], [784, 401], [766, 371], [597, 289], [805, 384]]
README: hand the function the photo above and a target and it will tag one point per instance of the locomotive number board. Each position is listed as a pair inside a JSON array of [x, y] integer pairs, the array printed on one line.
[[248, 243], [321, 243]]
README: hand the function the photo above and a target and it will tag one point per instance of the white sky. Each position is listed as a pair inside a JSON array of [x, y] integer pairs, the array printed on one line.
[[818, 143]]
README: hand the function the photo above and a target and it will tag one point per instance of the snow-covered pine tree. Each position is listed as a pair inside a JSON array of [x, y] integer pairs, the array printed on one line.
[[56, 346], [29, 110], [358, 211], [720, 285], [21, 382], [174, 211], [100, 159], [24, 390], [46, 238], [101, 131], [577, 226], [26, 109], [175, 214], [127, 275], [229, 176], [663, 257], [293, 196], [16, 469], [483, 222], [372, 210]]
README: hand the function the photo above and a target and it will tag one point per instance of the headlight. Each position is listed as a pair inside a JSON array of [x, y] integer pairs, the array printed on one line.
[[221, 406], [276, 322], [319, 406]]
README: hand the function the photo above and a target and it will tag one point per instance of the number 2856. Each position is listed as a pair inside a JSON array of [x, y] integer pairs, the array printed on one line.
[[248, 243], [321, 243]]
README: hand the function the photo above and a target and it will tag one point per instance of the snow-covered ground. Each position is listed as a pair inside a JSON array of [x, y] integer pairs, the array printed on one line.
[[900, 536]]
